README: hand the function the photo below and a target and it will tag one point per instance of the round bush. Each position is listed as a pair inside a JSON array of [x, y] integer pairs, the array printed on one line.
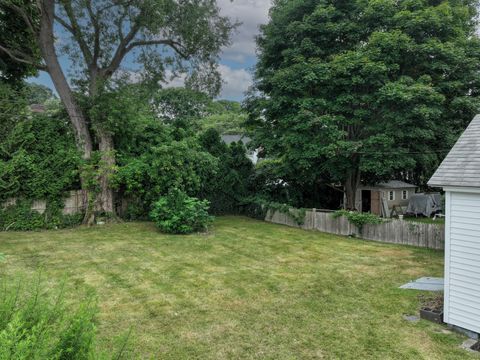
[[177, 213]]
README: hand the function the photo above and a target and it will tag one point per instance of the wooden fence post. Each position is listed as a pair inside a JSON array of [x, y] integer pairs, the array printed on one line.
[[314, 218]]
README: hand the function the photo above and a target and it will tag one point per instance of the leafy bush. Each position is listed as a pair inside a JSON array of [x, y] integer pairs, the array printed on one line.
[[359, 219], [37, 324], [177, 213], [149, 175], [34, 325], [230, 185]]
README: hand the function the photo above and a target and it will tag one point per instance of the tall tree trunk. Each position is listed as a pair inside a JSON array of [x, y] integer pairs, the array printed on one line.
[[47, 47], [105, 199], [78, 120], [351, 185]]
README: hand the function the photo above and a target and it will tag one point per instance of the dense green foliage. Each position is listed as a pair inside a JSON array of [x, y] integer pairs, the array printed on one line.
[[21, 217], [13, 108], [38, 325], [38, 94], [181, 164], [15, 34], [162, 39], [227, 117], [39, 160], [230, 185], [359, 219], [364, 90], [178, 213], [181, 107]]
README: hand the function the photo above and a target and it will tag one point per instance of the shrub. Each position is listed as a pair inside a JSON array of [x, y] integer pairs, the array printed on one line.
[[35, 325], [177, 213], [358, 219]]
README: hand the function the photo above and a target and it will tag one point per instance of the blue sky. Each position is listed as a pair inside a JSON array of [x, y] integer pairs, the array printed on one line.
[[237, 60]]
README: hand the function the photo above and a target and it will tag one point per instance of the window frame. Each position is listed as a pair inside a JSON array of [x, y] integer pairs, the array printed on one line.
[[391, 192], [404, 194]]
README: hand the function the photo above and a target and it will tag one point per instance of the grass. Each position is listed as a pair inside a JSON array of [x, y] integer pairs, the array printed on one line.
[[425, 220], [248, 290]]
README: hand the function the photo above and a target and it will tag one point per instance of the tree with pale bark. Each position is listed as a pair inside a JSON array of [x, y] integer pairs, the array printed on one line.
[[160, 38]]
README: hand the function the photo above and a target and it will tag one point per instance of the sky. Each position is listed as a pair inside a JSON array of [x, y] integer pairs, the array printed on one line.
[[237, 61]]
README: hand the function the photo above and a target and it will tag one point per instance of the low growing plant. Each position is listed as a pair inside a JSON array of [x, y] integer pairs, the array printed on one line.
[[359, 219], [178, 213], [37, 324]]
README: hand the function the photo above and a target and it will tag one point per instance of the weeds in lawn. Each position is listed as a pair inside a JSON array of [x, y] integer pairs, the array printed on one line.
[[34, 324]]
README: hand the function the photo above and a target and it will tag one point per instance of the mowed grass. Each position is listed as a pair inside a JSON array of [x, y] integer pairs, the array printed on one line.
[[246, 290], [425, 220]]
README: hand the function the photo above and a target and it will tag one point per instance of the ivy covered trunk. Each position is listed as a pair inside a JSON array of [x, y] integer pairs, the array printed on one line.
[[105, 198], [351, 185]]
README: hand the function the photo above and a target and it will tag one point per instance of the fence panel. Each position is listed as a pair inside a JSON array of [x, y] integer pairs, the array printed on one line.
[[75, 203], [390, 231]]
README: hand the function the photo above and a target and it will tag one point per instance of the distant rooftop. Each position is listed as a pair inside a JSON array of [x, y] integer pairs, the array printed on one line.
[[461, 167], [395, 184]]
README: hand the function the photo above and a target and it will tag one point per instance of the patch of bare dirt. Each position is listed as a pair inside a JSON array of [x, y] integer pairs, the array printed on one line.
[[429, 303], [476, 346]]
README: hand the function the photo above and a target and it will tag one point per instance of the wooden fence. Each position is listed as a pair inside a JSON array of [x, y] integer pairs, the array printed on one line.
[[75, 203], [390, 231]]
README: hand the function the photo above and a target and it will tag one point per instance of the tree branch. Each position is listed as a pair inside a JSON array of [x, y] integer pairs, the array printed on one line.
[[62, 22], [96, 28], [24, 16], [122, 49], [76, 31], [175, 45], [24, 59]]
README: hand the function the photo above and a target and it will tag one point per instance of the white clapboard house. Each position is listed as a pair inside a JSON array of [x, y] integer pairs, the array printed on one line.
[[459, 176]]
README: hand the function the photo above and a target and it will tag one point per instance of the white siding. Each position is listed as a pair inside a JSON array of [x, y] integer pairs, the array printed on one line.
[[462, 260]]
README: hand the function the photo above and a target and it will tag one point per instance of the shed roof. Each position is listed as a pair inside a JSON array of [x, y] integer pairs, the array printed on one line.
[[394, 184], [461, 167]]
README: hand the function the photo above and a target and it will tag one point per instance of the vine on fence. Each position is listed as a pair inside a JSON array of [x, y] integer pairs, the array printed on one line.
[[22, 217], [298, 215], [358, 219]]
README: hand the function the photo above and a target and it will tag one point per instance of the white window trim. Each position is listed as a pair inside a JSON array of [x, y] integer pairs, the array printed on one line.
[[405, 192], [392, 192]]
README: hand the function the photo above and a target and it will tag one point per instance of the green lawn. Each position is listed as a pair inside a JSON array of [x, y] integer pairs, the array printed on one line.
[[248, 290], [425, 220]]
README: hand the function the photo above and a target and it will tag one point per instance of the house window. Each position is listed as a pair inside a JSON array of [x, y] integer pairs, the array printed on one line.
[[391, 195], [404, 194]]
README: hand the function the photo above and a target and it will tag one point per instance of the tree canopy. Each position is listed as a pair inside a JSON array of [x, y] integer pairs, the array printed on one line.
[[18, 51], [363, 90], [162, 39]]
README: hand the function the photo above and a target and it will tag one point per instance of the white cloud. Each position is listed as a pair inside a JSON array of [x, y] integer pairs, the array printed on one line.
[[251, 13], [236, 82], [177, 81]]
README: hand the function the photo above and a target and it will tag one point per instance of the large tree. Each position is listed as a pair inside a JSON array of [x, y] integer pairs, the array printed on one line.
[[362, 90], [160, 38]]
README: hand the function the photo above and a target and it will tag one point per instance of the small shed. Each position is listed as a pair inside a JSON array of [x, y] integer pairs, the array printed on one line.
[[381, 198], [459, 176]]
